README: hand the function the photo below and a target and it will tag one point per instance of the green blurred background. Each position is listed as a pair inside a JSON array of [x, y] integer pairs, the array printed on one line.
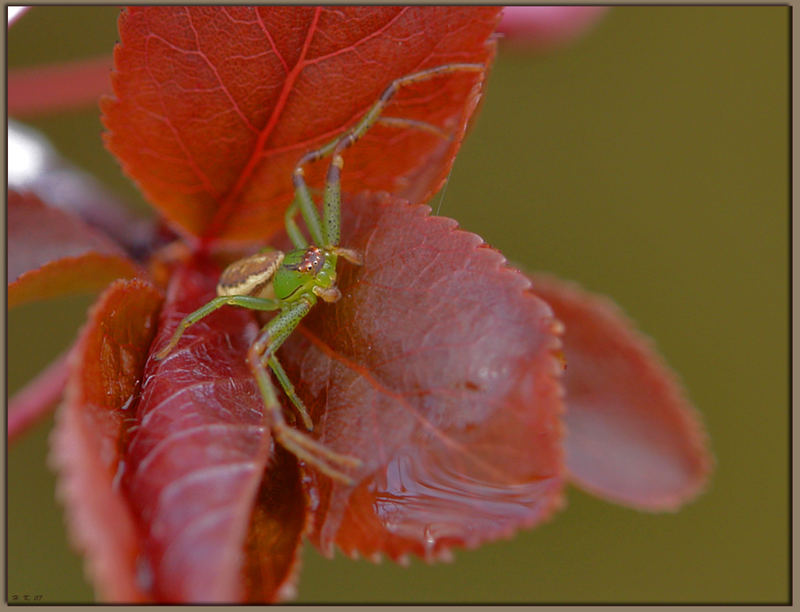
[[649, 162]]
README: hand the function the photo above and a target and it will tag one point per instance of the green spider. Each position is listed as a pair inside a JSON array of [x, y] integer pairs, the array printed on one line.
[[292, 283]]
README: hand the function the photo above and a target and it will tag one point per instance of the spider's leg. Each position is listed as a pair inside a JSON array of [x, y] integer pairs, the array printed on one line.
[[413, 124], [332, 202], [300, 444], [294, 233], [303, 201], [244, 301], [372, 115], [332, 199], [288, 389], [351, 255], [326, 235]]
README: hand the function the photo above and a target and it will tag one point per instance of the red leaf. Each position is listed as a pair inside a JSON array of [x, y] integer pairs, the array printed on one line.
[[106, 369], [215, 105], [198, 454], [51, 253], [437, 369], [632, 436]]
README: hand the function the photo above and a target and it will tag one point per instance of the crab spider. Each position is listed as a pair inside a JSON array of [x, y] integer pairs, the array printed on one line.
[[292, 283]]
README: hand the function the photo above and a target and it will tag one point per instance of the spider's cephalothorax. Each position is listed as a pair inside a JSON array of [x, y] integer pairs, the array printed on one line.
[[312, 269], [291, 283]]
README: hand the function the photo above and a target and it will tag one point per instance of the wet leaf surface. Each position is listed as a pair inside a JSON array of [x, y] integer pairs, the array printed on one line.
[[632, 436], [211, 126], [437, 369]]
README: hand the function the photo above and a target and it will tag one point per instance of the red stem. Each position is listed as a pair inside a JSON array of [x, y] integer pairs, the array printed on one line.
[[58, 87], [35, 401]]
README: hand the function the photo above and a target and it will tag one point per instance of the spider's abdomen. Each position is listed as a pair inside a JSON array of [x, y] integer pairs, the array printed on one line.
[[251, 276]]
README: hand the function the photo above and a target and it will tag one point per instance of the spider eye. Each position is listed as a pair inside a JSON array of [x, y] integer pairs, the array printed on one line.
[[312, 262]]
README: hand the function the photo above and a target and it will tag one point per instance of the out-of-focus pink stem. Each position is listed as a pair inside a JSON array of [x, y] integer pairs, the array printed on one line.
[[37, 399], [58, 87]]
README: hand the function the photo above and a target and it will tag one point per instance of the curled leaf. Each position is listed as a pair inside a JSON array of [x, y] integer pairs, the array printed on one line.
[[106, 369], [436, 368], [632, 436], [195, 462], [211, 126], [52, 252]]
